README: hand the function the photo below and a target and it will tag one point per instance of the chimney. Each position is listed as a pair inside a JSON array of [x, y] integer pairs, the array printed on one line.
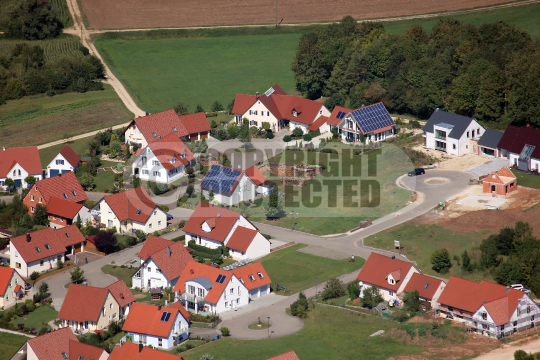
[[437, 109], [159, 308], [4, 148], [393, 257], [28, 238], [166, 303], [140, 347], [507, 289], [257, 95], [147, 113], [169, 251], [363, 106]]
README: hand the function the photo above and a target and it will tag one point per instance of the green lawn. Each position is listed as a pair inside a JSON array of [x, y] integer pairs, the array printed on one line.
[[419, 241], [118, 272], [36, 319], [104, 181], [297, 270], [527, 180], [79, 146], [202, 68], [328, 333], [10, 344]]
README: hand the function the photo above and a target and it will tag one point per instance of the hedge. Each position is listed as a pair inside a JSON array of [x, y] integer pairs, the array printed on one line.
[[203, 249]]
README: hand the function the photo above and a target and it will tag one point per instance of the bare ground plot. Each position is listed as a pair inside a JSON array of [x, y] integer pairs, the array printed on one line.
[[119, 14]]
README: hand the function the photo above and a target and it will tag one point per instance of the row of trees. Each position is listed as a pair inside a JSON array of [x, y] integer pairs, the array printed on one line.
[[491, 72], [33, 20], [183, 109]]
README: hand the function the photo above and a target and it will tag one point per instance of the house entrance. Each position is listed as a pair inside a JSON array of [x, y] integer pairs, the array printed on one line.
[[492, 187]]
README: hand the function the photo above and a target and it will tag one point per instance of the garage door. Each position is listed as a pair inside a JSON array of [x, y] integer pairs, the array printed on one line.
[[264, 290], [17, 183], [54, 172], [254, 293], [65, 171]]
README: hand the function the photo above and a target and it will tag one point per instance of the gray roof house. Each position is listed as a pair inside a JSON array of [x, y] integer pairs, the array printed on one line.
[[451, 133], [488, 142]]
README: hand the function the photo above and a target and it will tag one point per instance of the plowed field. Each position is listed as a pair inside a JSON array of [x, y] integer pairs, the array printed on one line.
[[121, 14]]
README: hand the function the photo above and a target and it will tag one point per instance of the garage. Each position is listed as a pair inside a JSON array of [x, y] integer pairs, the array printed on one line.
[[54, 172], [254, 293], [264, 290]]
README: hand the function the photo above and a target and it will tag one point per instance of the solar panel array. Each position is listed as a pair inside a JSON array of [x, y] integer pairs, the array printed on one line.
[[220, 279], [269, 91], [238, 264], [165, 316], [340, 115], [526, 152], [372, 117], [220, 179]]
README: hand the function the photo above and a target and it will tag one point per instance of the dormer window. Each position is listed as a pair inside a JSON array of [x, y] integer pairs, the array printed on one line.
[[154, 135], [74, 193], [174, 129], [295, 113], [65, 196]]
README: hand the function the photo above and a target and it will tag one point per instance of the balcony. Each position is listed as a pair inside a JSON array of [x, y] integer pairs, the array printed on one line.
[[192, 298], [440, 137]]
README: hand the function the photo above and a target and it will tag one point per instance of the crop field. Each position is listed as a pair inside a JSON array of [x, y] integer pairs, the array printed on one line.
[[120, 14], [64, 45], [39, 119], [61, 5]]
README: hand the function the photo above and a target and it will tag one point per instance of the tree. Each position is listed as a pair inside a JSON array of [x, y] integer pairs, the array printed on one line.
[[10, 183], [217, 259], [353, 289], [105, 241], [489, 252], [216, 106], [333, 101], [141, 236], [190, 189], [232, 131], [266, 125], [127, 153], [505, 241], [115, 149], [181, 109], [34, 20], [41, 217], [287, 138], [76, 274], [307, 137], [335, 132], [244, 136], [30, 180], [79, 222], [136, 182], [466, 262], [190, 171], [333, 289], [412, 301], [87, 181], [273, 205], [371, 297], [253, 130], [440, 261], [44, 290], [199, 108], [300, 307], [297, 132]]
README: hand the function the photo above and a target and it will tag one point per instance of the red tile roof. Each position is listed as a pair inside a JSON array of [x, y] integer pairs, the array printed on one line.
[[51, 346], [130, 351], [206, 212], [469, 295], [172, 266], [152, 245], [71, 157], [318, 123], [5, 275], [56, 240], [380, 130], [17, 288], [194, 270], [499, 311], [515, 138], [26, 157], [59, 185], [332, 119], [255, 175], [194, 123], [77, 349], [83, 303], [146, 319], [126, 203], [289, 355], [377, 268], [242, 103], [425, 285], [121, 293], [65, 208], [253, 269], [171, 147], [241, 238], [178, 305]]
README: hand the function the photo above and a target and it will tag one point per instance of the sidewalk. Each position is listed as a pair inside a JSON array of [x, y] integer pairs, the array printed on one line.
[[16, 333]]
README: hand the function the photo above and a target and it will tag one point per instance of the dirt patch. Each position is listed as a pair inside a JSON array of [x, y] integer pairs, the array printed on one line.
[[436, 181], [139, 296], [120, 14]]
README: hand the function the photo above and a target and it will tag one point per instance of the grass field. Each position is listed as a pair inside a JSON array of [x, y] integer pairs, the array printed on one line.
[[328, 333], [527, 180], [208, 66], [80, 146], [39, 119], [10, 344], [118, 272], [297, 271], [419, 241], [36, 319], [104, 181]]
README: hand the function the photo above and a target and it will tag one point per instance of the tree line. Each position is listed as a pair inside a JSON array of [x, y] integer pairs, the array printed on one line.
[[491, 72]]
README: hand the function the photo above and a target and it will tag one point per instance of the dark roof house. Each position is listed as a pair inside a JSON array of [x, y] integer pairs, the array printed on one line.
[[457, 124]]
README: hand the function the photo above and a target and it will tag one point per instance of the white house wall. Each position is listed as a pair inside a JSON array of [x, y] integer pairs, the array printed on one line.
[[260, 246], [14, 175], [156, 221], [149, 272], [263, 115], [245, 190], [66, 166], [239, 297], [166, 342], [134, 136], [153, 169], [27, 269]]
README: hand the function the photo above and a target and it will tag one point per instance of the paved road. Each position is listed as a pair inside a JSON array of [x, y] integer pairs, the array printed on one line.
[[507, 352]]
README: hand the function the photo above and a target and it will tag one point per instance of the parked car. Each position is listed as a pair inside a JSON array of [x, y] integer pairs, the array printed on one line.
[[169, 217], [417, 171], [27, 286]]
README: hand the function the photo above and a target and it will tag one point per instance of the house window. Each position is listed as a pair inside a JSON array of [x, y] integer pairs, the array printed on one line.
[[41, 263], [391, 293], [502, 327], [142, 339], [454, 146], [191, 289], [59, 162], [149, 226], [40, 199], [155, 162], [518, 311], [515, 323], [391, 281], [238, 301], [160, 342], [138, 274], [33, 209], [232, 291], [16, 282], [528, 309], [110, 306], [467, 134], [18, 265], [155, 212], [485, 327], [484, 316], [145, 172], [155, 173], [226, 304], [149, 269], [114, 316], [159, 223], [31, 197], [7, 297]]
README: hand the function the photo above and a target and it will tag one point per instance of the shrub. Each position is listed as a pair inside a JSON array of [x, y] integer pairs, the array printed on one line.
[[34, 275], [43, 330], [401, 318], [20, 326], [269, 135], [60, 264], [300, 307], [329, 151], [434, 325], [287, 138], [307, 137], [225, 331], [333, 289]]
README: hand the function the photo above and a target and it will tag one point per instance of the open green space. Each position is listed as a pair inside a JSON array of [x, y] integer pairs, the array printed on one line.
[[255, 326], [118, 272], [10, 344], [104, 181], [419, 241], [527, 180], [524, 17], [328, 333], [161, 68], [80, 146], [297, 270], [39, 119], [37, 318]]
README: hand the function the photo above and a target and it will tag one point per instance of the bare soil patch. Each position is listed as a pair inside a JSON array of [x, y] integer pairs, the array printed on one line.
[[122, 14]]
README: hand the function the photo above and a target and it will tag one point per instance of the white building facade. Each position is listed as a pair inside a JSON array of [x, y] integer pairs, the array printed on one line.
[[156, 221], [214, 244], [148, 167], [150, 275], [245, 190], [59, 165]]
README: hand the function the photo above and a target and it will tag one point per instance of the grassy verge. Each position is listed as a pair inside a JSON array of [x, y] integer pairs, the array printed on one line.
[[37, 318], [10, 344], [118, 272], [104, 181], [527, 180], [419, 241], [297, 271]]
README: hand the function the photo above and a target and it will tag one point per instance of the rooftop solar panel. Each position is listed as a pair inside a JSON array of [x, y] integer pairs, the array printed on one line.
[[221, 179], [372, 117], [340, 115]]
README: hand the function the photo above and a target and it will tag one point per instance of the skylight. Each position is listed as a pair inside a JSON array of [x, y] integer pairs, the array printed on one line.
[[260, 275], [67, 235], [165, 316], [37, 249], [81, 357], [241, 280], [251, 277], [138, 212], [427, 285], [65, 196], [74, 193], [47, 247], [64, 355], [154, 134], [174, 129]]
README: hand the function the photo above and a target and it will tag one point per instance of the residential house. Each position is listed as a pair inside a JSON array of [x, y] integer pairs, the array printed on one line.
[[289, 355], [63, 213], [209, 289], [11, 286], [521, 146], [89, 308], [228, 186], [65, 161], [62, 187], [336, 117], [320, 124], [130, 210], [163, 161], [18, 163], [451, 133], [488, 308], [161, 327], [373, 122], [264, 186], [147, 129], [213, 226], [278, 109], [41, 250], [388, 274], [501, 182], [488, 143], [429, 287], [161, 265], [59, 344], [131, 351]]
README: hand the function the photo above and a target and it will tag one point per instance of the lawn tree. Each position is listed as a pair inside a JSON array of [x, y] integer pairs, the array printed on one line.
[[440, 261], [466, 262], [216, 106], [353, 289], [76, 274], [334, 100], [87, 181], [30, 180], [244, 135], [40, 215], [105, 241], [297, 132], [412, 301], [79, 222], [44, 290], [181, 109], [199, 108], [273, 205], [300, 307], [333, 289], [10, 183], [371, 297]]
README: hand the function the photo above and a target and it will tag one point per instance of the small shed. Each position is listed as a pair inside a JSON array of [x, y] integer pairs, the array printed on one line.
[[156, 293], [501, 182]]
